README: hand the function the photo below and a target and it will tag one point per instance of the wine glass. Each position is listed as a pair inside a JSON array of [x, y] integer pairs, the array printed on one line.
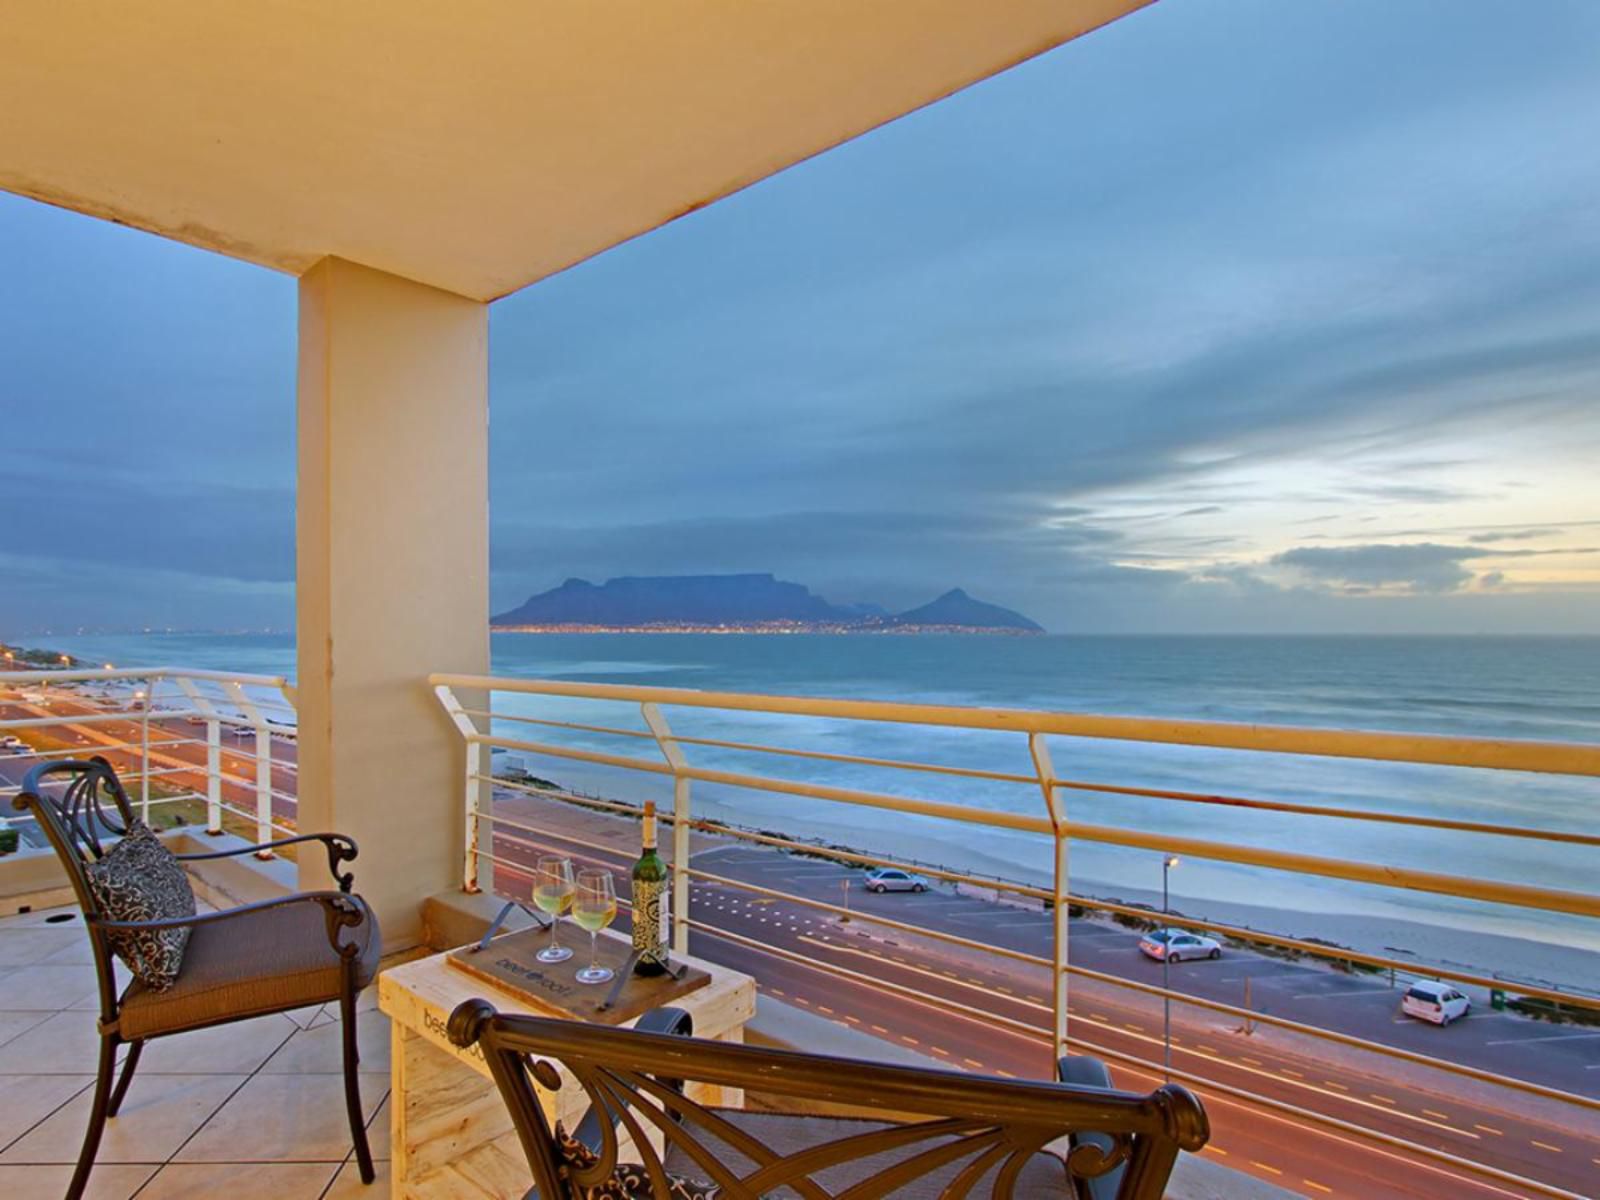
[[552, 892], [594, 906]]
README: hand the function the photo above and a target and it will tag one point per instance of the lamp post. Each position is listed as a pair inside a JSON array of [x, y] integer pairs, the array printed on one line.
[[1168, 861]]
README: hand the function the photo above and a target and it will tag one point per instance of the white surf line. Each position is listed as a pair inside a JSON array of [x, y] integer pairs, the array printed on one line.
[[1125, 1031]]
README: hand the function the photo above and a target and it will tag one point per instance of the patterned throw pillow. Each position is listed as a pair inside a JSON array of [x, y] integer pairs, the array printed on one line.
[[139, 879], [629, 1181]]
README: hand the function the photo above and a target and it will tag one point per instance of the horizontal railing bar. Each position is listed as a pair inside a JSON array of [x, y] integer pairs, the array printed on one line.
[[758, 748], [523, 827], [80, 674], [531, 872], [1321, 951], [1280, 806], [928, 808], [1431, 749], [552, 723], [1490, 891], [1321, 810]]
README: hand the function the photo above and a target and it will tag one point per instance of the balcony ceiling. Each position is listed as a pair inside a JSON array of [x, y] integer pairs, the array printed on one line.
[[476, 145]]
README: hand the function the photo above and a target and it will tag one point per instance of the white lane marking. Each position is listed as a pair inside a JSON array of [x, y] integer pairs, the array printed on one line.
[[1555, 1037]]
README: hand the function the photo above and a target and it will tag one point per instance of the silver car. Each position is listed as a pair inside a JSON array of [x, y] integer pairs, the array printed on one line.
[[892, 879]]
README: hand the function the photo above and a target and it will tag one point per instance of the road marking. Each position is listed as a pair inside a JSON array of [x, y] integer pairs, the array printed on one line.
[[1383, 1099], [1555, 1037], [1009, 1075], [1291, 1073], [879, 1029], [1321, 1187], [802, 1000], [939, 1050], [1366, 991], [774, 991], [1489, 1129], [1545, 1146], [1205, 1049], [1265, 1167], [1254, 1062], [852, 1020], [1335, 1084], [909, 1040], [825, 1008], [1431, 1113]]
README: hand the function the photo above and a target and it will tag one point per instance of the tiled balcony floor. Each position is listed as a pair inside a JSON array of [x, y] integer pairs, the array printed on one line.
[[249, 1110]]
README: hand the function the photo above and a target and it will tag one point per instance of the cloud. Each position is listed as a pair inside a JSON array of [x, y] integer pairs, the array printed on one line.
[[1514, 535], [1420, 567]]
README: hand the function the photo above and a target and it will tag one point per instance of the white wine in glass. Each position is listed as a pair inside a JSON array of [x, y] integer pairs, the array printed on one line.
[[594, 906], [552, 892]]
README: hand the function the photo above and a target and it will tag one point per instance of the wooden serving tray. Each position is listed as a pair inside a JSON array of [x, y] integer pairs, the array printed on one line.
[[508, 963]]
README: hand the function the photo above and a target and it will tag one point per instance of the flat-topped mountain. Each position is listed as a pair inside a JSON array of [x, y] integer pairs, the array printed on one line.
[[735, 602]]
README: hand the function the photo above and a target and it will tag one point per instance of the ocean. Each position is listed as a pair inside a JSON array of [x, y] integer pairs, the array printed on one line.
[[1522, 687]]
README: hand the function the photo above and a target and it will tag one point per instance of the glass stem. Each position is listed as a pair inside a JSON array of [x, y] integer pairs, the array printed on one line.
[[594, 952], [555, 922]]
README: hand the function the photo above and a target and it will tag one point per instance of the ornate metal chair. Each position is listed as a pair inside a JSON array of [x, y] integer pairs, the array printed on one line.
[[272, 956], [972, 1135]]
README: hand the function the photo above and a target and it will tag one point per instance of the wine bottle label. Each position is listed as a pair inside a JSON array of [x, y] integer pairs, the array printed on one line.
[[652, 917]]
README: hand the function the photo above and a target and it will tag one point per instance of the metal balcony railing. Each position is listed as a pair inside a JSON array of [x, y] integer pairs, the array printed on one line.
[[536, 718], [164, 731]]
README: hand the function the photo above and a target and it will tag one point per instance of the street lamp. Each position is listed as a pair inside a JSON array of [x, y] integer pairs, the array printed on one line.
[[1168, 861]]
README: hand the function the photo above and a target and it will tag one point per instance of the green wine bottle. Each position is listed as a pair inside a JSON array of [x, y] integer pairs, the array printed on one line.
[[650, 903]]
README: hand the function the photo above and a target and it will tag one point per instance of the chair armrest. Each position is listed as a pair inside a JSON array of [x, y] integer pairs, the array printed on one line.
[[1085, 1071], [670, 1020], [339, 911], [340, 849]]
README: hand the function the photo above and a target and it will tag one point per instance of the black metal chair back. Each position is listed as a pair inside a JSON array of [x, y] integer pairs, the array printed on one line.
[[77, 802], [981, 1132]]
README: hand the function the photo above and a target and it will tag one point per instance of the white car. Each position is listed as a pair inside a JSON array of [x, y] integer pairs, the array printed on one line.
[[13, 743], [1437, 1002], [891, 879], [1175, 945]]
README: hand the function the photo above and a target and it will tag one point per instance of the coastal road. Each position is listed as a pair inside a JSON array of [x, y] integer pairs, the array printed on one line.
[[758, 934]]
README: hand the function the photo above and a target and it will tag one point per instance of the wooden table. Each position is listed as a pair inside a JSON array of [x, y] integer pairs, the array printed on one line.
[[452, 1136]]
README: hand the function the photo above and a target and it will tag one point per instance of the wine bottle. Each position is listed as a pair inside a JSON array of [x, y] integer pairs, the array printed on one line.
[[650, 903]]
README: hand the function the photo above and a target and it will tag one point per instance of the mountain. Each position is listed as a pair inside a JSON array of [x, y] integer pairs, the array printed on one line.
[[957, 608], [742, 602], [675, 599]]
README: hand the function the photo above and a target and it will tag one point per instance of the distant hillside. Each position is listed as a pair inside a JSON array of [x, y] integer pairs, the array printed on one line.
[[674, 599], [955, 607], [732, 602]]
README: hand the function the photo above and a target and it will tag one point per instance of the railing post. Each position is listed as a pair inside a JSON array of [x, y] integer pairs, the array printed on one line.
[[673, 753], [477, 870], [1057, 808], [237, 694], [213, 754], [149, 692]]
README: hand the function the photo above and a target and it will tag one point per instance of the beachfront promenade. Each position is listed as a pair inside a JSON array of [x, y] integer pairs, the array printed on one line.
[[986, 1012]]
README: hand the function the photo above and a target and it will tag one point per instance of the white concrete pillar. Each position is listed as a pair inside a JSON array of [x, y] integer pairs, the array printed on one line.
[[392, 574]]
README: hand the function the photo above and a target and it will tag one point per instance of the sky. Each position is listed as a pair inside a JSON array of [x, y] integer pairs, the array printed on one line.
[[1241, 317]]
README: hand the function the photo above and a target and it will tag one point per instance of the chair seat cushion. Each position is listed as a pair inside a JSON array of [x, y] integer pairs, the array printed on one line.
[[257, 962], [1044, 1175], [139, 879]]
